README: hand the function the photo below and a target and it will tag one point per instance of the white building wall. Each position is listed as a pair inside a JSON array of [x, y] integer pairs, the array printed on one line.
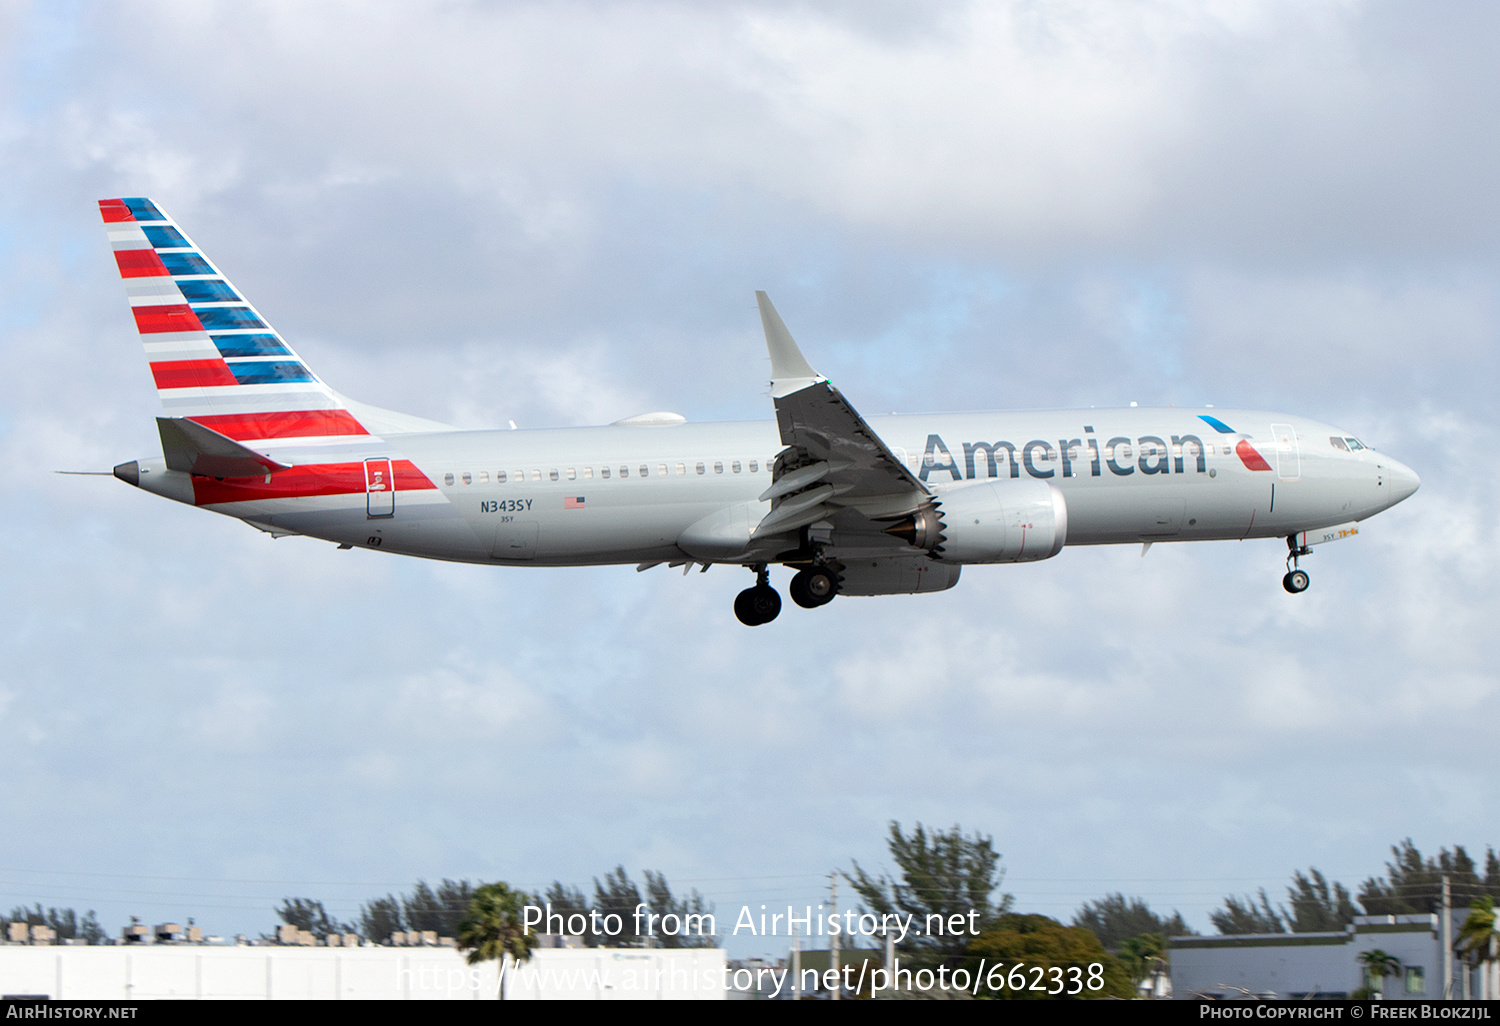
[[1231, 966], [619, 974], [152, 972], [1287, 964]]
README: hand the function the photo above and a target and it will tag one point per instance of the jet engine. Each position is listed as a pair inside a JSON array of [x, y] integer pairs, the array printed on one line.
[[993, 522]]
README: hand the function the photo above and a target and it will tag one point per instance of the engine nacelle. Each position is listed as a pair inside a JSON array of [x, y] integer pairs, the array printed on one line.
[[1013, 522]]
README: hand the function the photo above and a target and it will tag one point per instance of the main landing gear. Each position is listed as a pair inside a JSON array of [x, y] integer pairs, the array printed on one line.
[[811, 587], [760, 604], [1296, 579]]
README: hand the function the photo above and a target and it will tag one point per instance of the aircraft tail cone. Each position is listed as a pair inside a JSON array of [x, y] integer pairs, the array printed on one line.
[[130, 473]]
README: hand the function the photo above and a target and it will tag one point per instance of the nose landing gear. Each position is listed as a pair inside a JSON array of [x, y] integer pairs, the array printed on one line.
[[760, 604], [1296, 579]]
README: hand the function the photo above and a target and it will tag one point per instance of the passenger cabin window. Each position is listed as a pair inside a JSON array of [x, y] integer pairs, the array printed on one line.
[[536, 475], [467, 478], [735, 466], [718, 467], [447, 479], [661, 468], [753, 468], [681, 469], [588, 473], [499, 477], [1338, 443], [572, 474], [552, 474], [484, 477], [701, 469], [624, 471], [645, 470], [604, 473]]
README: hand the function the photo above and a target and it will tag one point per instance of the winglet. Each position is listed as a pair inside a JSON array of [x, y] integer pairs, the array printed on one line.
[[790, 371]]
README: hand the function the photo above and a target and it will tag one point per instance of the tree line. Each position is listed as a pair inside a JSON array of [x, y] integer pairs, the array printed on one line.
[[1412, 885], [64, 922], [443, 909]]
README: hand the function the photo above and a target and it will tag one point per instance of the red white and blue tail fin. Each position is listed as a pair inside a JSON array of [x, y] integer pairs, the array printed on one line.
[[214, 358]]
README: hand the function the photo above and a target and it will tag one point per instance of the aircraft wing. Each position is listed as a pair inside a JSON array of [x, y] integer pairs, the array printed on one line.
[[834, 467]]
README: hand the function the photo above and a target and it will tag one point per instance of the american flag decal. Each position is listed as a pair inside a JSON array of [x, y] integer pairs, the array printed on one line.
[[573, 502]]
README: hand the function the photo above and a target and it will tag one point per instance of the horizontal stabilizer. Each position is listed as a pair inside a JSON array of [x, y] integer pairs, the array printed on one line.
[[195, 449]]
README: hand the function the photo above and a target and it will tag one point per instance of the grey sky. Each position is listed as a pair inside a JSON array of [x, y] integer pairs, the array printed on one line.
[[557, 213]]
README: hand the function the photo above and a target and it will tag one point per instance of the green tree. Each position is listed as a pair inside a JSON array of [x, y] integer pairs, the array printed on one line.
[[63, 921], [1478, 938], [618, 895], [1378, 965], [1414, 884], [89, 930], [1115, 919], [1143, 955], [438, 909], [493, 928], [379, 918], [1240, 917], [568, 902], [942, 874], [1032, 942], [690, 909], [307, 914], [1314, 908]]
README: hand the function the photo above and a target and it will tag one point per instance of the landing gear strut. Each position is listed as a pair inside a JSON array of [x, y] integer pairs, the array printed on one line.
[[760, 604], [815, 586], [1296, 579]]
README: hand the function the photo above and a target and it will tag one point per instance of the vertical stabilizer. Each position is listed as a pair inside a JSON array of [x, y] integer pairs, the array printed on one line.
[[214, 358]]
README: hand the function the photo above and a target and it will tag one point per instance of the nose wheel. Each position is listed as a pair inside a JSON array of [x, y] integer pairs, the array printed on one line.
[[760, 604], [1296, 579]]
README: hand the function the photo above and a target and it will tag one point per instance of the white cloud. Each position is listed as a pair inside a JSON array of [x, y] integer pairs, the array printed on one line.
[[556, 214]]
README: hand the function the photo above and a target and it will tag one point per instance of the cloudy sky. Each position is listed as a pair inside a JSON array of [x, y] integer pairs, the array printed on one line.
[[557, 213]]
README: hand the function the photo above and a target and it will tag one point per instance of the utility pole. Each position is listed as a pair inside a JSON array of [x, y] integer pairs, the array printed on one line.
[[1447, 928], [890, 960], [833, 938], [796, 964]]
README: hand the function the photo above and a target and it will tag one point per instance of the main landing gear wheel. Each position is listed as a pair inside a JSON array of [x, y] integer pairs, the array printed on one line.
[[760, 604], [1296, 579], [816, 586]]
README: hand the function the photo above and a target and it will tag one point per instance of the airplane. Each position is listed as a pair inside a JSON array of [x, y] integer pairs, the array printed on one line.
[[852, 505]]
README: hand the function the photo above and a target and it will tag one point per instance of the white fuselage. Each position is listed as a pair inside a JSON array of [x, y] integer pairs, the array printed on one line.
[[627, 493]]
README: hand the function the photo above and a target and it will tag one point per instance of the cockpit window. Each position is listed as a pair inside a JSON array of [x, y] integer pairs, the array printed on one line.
[[1354, 443], [1338, 443]]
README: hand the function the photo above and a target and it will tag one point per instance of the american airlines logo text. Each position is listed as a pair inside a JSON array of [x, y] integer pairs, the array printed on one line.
[[1148, 454]]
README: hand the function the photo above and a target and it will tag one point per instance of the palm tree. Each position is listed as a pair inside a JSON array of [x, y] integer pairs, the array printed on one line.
[[1378, 965], [493, 927], [1478, 939]]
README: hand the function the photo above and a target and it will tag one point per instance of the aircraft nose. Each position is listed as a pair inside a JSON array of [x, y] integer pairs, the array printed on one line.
[[1401, 479]]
